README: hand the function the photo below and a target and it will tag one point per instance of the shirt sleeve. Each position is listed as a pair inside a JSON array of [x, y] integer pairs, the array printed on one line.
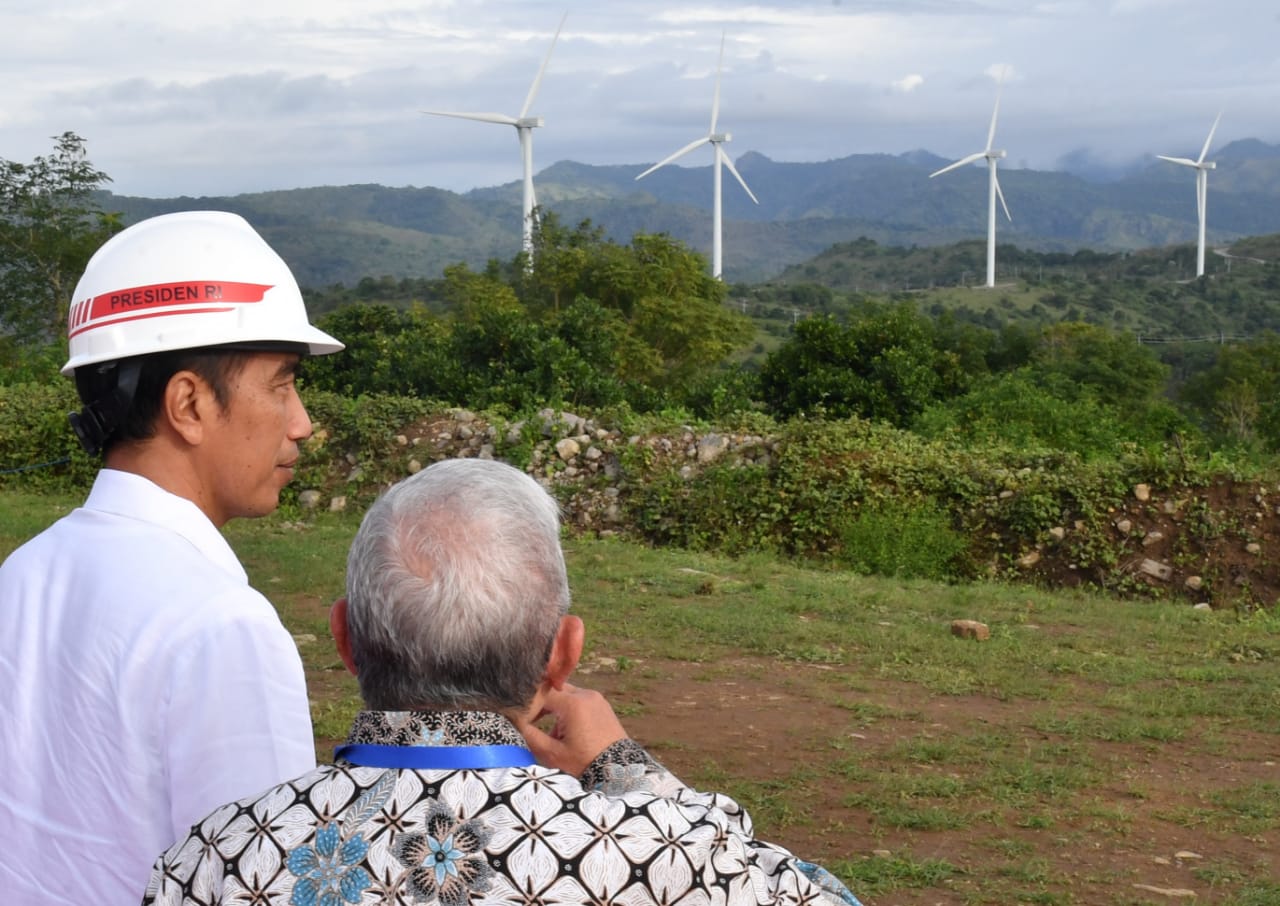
[[237, 715], [770, 872]]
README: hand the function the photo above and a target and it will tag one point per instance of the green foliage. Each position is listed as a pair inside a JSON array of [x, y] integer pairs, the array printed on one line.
[[1034, 411], [351, 430], [885, 365], [590, 323], [38, 449], [50, 225], [1114, 367], [29, 362], [909, 540], [1237, 397]]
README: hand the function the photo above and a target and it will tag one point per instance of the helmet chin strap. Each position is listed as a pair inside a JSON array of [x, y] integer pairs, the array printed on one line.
[[94, 423]]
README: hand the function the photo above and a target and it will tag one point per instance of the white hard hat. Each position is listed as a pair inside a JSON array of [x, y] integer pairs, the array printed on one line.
[[186, 281]]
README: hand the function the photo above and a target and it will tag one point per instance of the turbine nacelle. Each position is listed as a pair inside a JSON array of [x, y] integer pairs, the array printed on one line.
[[718, 137], [530, 122], [996, 155]]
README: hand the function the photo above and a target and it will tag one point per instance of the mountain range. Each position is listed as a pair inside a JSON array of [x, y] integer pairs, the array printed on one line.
[[340, 234]]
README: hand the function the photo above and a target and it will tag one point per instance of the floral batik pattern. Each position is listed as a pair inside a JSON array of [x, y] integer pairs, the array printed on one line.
[[627, 832]]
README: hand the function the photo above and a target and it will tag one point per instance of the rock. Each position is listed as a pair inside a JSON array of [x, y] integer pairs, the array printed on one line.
[[309, 500], [1057, 533], [1177, 893], [970, 629], [337, 504], [712, 447], [593, 453], [1187, 855], [414, 467], [1253, 547], [1203, 605], [1124, 526], [881, 853], [466, 432], [1142, 492], [402, 441], [1151, 538], [567, 448], [1026, 561], [303, 638], [1156, 570], [485, 452], [1194, 583]]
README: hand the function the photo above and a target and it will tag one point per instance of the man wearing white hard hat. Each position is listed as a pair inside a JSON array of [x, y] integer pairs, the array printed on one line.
[[142, 680]]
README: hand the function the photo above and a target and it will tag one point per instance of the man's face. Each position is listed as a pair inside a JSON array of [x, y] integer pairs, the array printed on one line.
[[253, 447]]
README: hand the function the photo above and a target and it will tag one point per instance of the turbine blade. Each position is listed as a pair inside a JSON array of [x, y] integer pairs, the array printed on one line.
[[537, 81], [501, 118], [724, 158], [715, 103], [1185, 161], [698, 143], [995, 113], [999, 193], [1205, 149], [977, 155]]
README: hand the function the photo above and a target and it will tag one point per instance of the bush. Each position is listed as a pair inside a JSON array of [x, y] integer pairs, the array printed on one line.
[[38, 449], [903, 540]]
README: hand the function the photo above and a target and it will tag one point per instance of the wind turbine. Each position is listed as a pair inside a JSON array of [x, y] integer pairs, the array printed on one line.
[[1202, 168], [525, 125], [993, 188], [715, 139]]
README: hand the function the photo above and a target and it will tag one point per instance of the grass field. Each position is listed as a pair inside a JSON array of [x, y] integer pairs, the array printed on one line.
[[1092, 751]]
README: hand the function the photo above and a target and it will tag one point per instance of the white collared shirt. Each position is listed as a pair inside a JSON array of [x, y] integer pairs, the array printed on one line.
[[143, 682]]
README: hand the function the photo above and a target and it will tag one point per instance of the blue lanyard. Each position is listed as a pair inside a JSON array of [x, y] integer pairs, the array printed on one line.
[[436, 757]]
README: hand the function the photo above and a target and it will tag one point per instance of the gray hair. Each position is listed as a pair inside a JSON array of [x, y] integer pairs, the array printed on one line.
[[455, 588]]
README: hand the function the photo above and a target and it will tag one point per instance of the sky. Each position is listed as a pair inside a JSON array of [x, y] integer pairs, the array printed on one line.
[[223, 97]]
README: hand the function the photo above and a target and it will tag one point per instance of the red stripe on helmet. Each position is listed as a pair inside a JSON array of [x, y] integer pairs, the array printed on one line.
[[185, 297], [76, 331]]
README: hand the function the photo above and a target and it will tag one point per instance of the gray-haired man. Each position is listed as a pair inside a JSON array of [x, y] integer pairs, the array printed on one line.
[[456, 625]]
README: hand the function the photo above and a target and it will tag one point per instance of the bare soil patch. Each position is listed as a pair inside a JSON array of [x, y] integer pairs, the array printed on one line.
[[764, 720]]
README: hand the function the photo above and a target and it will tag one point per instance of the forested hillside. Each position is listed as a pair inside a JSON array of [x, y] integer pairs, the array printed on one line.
[[343, 234]]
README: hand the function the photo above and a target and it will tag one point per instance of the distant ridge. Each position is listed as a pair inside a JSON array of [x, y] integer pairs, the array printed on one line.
[[335, 234]]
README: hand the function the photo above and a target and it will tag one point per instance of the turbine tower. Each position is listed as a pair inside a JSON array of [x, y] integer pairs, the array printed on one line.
[[993, 187], [716, 140], [525, 125], [1202, 168]]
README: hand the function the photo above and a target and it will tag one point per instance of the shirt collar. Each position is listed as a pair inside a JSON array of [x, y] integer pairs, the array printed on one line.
[[132, 496], [434, 728]]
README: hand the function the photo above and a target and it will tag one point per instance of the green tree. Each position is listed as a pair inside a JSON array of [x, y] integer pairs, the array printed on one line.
[[50, 225], [1115, 367], [886, 365], [1238, 397]]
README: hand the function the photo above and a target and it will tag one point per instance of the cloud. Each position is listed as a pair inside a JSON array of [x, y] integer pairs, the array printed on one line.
[[907, 83]]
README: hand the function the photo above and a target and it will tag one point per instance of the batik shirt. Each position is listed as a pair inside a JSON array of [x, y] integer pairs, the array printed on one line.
[[626, 832]]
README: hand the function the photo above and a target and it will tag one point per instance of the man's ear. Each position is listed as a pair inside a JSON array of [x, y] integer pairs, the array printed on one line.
[[187, 406], [341, 638], [566, 650]]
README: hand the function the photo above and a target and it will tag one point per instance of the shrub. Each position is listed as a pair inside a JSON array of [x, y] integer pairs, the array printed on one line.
[[905, 540], [38, 449]]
